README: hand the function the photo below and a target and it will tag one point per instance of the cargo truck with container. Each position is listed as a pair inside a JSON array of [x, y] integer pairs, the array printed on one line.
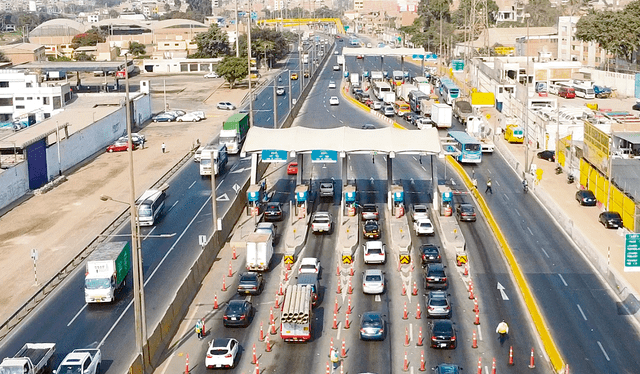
[[425, 107], [81, 361], [234, 131], [403, 91], [106, 270], [441, 114], [32, 358], [354, 78], [297, 312], [259, 250]]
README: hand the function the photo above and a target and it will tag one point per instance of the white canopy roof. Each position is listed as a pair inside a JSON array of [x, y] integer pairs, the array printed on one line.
[[385, 51], [343, 139]]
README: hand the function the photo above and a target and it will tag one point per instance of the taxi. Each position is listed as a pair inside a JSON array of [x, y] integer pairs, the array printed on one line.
[[294, 76]]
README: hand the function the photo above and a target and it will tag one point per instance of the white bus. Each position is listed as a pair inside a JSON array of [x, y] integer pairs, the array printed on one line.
[[585, 92], [382, 90], [150, 205]]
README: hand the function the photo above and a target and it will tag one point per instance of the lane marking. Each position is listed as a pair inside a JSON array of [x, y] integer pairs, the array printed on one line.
[[517, 212], [480, 333], [603, 351], [530, 232], [377, 298], [154, 272], [505, 195], [77, 314], [545, 252], [423, 168], [174, 204], [194, 182], [563, 281], [150, 231], [581, 312]]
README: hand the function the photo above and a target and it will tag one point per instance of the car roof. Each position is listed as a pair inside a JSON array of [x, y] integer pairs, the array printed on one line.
[[419, 206], [374, 244], [309, 260], [321, 214], [373, 272], [423, 220], [437, 295], [220, 342]]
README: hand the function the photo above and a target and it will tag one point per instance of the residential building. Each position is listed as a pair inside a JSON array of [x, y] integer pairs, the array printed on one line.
[[572, 49], [24, 52]]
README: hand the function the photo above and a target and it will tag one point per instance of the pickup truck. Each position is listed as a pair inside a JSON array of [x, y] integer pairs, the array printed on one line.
[[326, 189], [321, 222], [32, 358], [81, 361]]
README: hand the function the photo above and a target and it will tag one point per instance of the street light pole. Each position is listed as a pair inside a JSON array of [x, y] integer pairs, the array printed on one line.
[[237, 35], [249, 62], [526, 105]]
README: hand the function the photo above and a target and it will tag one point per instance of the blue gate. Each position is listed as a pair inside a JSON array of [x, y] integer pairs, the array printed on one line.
[[37, 164]]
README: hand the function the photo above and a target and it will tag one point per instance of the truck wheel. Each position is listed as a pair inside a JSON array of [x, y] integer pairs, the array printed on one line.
[[98, 369]]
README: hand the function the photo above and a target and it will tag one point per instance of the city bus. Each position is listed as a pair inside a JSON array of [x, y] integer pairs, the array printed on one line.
[[382, 90], [585, 92], [469, 149], [150, 205], [449, 91]]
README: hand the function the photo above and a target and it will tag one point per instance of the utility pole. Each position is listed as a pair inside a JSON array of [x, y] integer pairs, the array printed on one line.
[[249, 63], [237, 35], [526, 105]]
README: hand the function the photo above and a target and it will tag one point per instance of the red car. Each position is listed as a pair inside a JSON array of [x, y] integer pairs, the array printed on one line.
[[119, 147], [292, 169], [359, 57]]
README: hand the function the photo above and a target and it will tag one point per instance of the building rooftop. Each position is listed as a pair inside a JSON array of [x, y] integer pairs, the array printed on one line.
[[20, 48]]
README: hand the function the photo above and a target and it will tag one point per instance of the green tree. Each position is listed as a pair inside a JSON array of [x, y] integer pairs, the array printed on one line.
[[59, 58], [90, 38], [82, 56], [263, 48], [616, 32], [233, 69], [136, 48], [213, 43], [201, 7], [542, 13], [113, 13]]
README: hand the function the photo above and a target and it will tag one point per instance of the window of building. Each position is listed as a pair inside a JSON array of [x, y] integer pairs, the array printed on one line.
[[19, 98], [4, 84], [57, 102], [29, 84], [19, 106], [47, 115], [45, 101], [29, 98], [6, 101]]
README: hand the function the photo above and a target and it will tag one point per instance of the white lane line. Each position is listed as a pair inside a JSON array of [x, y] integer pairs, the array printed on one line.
[[154, 271], [268, 119], [581, 312], [545, 252], [263, 104], [194, 182], [174, 204], [423, 168], [341, 121], [149, 233], [505, 195], [479, 333], [411, 332], [414, 158], [530, 232], [563, 281], [517, 212], [489, 170], [603, 351], [498, 183], [377, 298], [77, 314]]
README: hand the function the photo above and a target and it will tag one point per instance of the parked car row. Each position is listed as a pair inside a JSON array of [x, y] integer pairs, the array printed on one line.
[[179, 116], [122, 144]]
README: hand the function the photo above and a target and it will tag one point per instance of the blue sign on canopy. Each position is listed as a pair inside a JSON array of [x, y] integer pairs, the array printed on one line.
[[273, 155], [417, 57], [431, 57], [324, 156]]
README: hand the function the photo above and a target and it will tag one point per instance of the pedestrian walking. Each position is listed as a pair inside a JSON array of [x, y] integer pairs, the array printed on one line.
[[163, 147], [488, 189], [199, 326], [474, 181]]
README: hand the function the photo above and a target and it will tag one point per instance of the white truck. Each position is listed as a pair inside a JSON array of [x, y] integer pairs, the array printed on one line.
[[340, 59], [377, 76], [81, 361], [213, 159], [259, 251], [32, 358], [425, 107], [297, 312], [425, 88], [441, 114], [106, 270], [403, 91], [478, 128], [354, 78]]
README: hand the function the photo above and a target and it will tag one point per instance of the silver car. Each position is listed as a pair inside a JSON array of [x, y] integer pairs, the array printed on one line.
[[373, 281], [388, 111], [419, 211], [438, 305]]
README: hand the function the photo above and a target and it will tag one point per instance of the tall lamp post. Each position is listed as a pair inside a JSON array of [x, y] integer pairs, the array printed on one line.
[[249, 62], [526, 104]]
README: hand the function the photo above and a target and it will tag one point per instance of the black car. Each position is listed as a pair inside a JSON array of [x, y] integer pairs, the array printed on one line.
[[238, 313], [409, 117], [362, 97], [250, 283], [371, 229], [443, 334], [636, 106], [586, 198], [273, 212], [429, 253], [547, 155], [446, 369], [414, 119], [610, 220], [357, 91], [434, 276], [466, 212]]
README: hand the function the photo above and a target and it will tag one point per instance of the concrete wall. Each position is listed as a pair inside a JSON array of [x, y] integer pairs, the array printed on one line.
[[624, 84], [14, 182]]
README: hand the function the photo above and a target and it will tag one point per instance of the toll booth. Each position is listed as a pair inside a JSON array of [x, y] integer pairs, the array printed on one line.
[[446, 201], [302, 200], [255, 197], [349, 200], [397, 200]]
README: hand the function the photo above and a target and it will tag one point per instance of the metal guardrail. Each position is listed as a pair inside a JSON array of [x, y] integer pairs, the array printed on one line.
[[72, 265]]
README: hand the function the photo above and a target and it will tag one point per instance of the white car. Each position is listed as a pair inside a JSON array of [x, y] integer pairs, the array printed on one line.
[[334, 100], [309, 265], [423, 227], [213, 74], [332, 84], [373, 281], [336, 67], [221, 353], [189, 117], [424, 123], [321, 222], [376, 105], [419, 211], [335, 52], [375, 252], [225, 105], [280, 91]]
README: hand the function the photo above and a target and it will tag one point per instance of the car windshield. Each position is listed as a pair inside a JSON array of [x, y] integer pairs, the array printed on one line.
[[273, 208], [436, 273], [374, 250], [430, 250], [144, 210], [308, 267], [321, 220], [369, 208], [369, 226], [370, 320], [466, 209], [425, 224], [420, 209], [438, 302], [373, 278], [70, 369], [97, 284], [235, 308], [442, 329], [249, 278]]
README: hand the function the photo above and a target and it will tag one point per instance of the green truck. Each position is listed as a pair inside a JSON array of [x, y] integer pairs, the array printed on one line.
[[107, 268], [234, 131]]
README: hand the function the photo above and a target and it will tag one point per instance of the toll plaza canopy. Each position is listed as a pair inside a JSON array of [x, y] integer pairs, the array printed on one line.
[[106, 66], [344, 139], [385, 51]]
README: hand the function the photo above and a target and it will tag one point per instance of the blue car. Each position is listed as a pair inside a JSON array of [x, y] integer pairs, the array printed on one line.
[[164, 117], [372, 326]]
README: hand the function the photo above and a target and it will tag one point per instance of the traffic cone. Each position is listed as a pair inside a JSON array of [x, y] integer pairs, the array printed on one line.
[[406, 337], [350, 289], [230, 270], [328, 368], [338, 270], [412, 265], [414, 292], [271, 315], [405, 315], [351, 271], [419, 343], [471, 297], [261, 332], [234, 256], [422, 363], [254, 358], [404, 290], [336, 308], [349, 306], [273, 328], [339, 289], [280, 289], [186, 368], [286, 276], [475, 305], [343, 349], [532, 362], [288, 266], [215, 301], [477, 321], [418, 312], [566, 369], [335, 321], [268, 347], [257, 367], [493, 366], [510, 355], [277, 302], [405, 365], [466, 269], [479, 365], [330, 346], [341, 367], [474, 341], [347, 324], [224, 284]]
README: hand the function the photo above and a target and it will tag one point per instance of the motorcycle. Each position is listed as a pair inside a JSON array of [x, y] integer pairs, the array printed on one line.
[[559, 170], [525, 188], [570, 179]]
